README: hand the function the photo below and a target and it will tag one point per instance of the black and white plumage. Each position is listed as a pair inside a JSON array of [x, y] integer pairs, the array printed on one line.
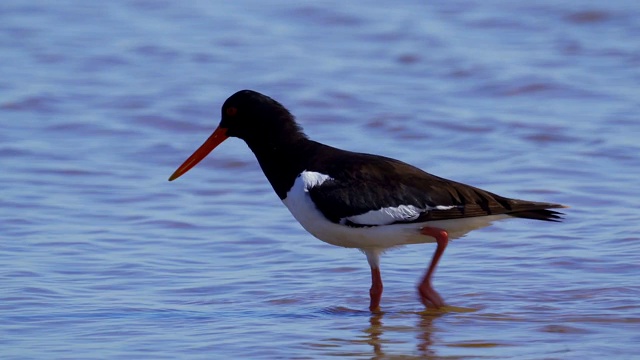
[[359, 200]]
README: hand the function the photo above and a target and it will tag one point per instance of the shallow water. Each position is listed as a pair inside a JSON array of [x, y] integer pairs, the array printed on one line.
[[103, 258]]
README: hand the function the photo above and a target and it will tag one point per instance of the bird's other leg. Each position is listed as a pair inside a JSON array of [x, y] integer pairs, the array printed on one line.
[[428, 295], [373, 257]]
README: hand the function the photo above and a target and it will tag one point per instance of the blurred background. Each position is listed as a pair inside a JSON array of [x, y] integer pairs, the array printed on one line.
[[103, 258]]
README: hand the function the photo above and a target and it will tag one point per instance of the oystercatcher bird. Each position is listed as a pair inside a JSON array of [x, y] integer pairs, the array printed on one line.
[[358, 200]]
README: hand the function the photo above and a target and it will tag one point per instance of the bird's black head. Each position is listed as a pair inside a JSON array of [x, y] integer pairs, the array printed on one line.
[[252, 117], [260, 121]]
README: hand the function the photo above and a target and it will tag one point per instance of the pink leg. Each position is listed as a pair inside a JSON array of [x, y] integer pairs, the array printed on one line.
[[428, 295], [376, 289]]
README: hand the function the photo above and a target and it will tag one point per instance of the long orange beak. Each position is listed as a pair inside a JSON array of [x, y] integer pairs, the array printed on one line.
[[218, 136]]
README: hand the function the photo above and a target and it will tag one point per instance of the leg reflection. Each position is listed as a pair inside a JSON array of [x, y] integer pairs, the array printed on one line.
[[426, 330], [375, 333]]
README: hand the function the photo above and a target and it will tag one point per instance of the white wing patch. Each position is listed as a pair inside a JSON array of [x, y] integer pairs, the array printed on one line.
[[389, 215], [385, 216], [442, 207], [312, 179]]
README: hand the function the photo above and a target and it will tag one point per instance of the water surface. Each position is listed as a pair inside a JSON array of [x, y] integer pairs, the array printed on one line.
[[103, 258]]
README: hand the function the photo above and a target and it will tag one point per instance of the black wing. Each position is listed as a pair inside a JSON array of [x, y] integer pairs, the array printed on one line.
[[361, 183]]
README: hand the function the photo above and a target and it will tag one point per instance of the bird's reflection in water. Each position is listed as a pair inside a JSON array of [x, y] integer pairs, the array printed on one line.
[[424, 329], [375, 331]]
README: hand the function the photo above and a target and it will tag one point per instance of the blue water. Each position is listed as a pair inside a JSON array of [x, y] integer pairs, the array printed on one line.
[[103, 258]]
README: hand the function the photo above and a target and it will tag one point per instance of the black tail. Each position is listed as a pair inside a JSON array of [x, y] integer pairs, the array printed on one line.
[[539, 214]]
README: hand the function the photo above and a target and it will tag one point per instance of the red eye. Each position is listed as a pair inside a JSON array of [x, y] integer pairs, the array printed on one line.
[[232, 111]]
